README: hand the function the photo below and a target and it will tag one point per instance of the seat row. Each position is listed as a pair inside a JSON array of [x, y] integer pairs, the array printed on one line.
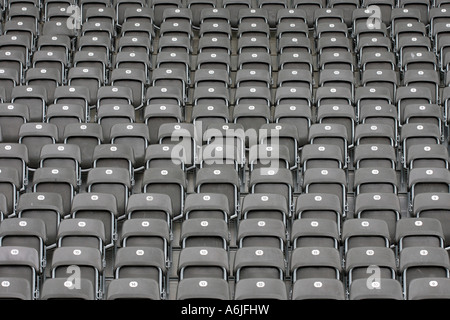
[[144, 256]]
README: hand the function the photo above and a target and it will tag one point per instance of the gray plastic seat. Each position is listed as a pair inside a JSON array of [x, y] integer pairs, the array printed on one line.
[[365, 233], [319, 206], [207, 206], [204, 232], [224, 180], [422, 262], [259, 262], [419, 232], [133, 289], [114, 181], [260, 288], [307, 232], [87, 136], [23, 263], [429, 289], [203, 261], [318, 288], [150, 206], [265, 206], [315, 262], [141, 262], [60, 289], [386, 289], [169, 181], [153, 233], [359, 259], [88, 261], [433, 205], [203, 288], [101, 207]]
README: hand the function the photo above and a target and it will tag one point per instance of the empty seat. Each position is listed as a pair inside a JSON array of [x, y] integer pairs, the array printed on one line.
[[422, 262], [265, 206], [82, 232], [378, 127], [359, 260], [339, 114], [383, 288], [115, 95], [204, 232], [22, 263], [109, 115], [62, 181], [196, 10], [135, 135], [63, 114], [15, 155], [262, 288], [262, 232], [368, 180], [365, 233], [383, 206], [25, 232], [97, 206], [171, 182], [273, 181], [184, 137], [114, 156], [73, 95], [433, 205], [329, 181], [141, 262], [376, 155], [157, 114], [132, 78], [14, 288], [433, 155], [224, 180], [207, 206], [135, 289], [87, 136], [61, 156], [319, 206], [414, 232], [10, 186], [114, 181], [428, 289], [84, 260], [12, 116], [203, 288], [61, 289], [332, 134], [35, 97], [315, 262], [47, 207], [34, 136], [318, 288], [259, 262], [199, 262], [309, 232], [282, 134], [426, 180], [90, 77], [150, 206], [152, 233], [49, 78], [298, 115], [163, 156], [273, 156]]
